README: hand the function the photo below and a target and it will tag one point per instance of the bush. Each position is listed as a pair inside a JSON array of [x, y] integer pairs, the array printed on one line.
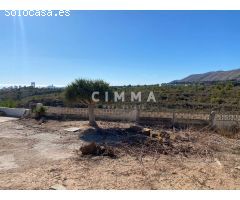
[[8, 104], [40, 112]]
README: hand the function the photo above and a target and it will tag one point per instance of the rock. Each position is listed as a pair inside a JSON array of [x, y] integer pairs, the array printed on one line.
[[72, 129], [58, 187], [97, 150], [238, 167], [90, 149], [146, 131]]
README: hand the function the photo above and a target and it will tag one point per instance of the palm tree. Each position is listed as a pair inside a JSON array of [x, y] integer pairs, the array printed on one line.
[[81, 90]]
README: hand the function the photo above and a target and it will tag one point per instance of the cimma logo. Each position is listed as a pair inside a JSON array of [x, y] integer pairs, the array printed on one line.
[[117, 97]]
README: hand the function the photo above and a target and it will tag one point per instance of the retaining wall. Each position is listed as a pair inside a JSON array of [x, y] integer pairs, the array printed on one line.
[[222, 121], [100, 114], [167, 118], [133, 115], [15, 112]]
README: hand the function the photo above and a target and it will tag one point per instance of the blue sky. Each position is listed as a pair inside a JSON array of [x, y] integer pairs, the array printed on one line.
[[121, 47]]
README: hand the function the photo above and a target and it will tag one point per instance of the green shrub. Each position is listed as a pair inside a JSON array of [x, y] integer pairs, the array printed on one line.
[[8, 104], [40, 112]]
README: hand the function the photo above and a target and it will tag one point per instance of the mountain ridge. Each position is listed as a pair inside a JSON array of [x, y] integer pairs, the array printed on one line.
[[214, 76]]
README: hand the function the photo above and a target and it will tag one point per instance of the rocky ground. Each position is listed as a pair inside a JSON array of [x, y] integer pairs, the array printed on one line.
[[37, 155]]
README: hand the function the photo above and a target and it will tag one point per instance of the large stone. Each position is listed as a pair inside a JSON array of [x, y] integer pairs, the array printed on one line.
[[97, 150], [90, 149], [238, 167], [58, 187], [72, 129], [146, 131]]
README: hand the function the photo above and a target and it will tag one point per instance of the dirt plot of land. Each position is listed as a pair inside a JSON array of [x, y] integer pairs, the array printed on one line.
[[38, 156]]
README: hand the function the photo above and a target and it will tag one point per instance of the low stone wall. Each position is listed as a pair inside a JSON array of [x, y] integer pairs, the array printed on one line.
[[116, 114], [169, 118], [15, 112], [170, 115], [101, 114], [131, 115], [223, 121]]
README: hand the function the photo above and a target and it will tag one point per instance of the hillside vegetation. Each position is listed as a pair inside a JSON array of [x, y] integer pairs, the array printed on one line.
[[195, 97], [24, 96]]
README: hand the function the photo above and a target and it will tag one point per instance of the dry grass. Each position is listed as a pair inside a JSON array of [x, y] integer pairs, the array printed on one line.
[[210, 163]]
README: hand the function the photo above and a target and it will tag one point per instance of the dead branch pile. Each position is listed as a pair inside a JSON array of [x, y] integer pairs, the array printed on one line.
[[139, 141], [148, 142]]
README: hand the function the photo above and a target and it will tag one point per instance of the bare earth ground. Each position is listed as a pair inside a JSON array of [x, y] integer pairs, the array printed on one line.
[[34, 156]]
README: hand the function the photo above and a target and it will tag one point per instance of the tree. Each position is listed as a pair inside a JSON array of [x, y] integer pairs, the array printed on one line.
[[81, 91]]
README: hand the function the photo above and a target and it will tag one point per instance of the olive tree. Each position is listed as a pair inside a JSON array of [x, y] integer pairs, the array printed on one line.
[[82, 90]]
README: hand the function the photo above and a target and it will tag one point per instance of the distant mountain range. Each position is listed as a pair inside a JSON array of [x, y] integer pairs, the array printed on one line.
[[232, 75]]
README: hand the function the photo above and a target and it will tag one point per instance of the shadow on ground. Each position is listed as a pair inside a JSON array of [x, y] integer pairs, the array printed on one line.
[[112, 136]]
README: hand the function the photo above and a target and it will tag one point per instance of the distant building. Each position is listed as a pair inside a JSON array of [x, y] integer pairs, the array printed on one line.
[[33, 84], [51, 86]]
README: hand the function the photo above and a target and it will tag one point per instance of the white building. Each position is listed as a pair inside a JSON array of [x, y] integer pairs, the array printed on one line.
[[33, 84]]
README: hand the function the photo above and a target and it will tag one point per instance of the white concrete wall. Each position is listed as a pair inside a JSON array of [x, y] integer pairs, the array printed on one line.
[[15, 112]]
